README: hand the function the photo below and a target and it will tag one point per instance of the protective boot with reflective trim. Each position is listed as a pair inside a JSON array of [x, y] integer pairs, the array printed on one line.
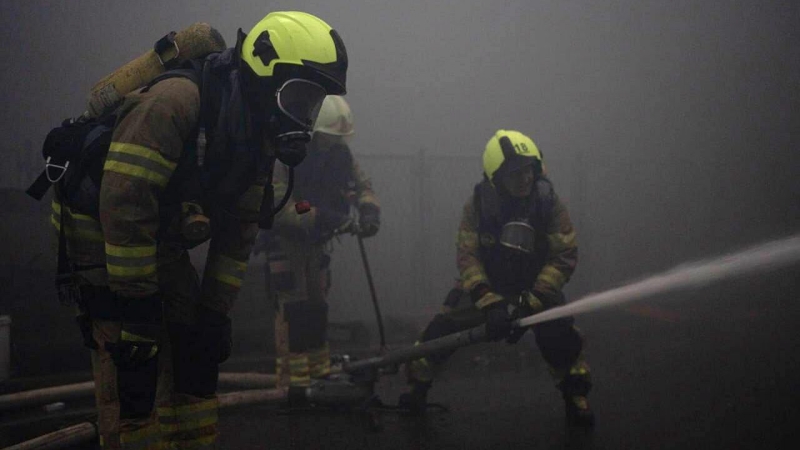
[[299, 372], [574, 388], [419, 373], [146, 438], [189, 423], [578, 411], [319, 362], [419, 370]]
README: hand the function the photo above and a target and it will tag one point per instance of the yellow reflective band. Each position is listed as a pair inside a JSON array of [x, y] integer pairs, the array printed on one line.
[[472, 276], [136, 436], [140, 162], [467, 238], [421, 370], [228, 270], [487, 300], [130, 262], [320, 361], [84, 229], [552, 277], [299, 368], [319, 353], [142, 151], [179, 410], [137, 172], [128, 336], [299, 381], [76, 216], [227, 279], [131, 272], [579, 368], [130, 252], [560, 242]]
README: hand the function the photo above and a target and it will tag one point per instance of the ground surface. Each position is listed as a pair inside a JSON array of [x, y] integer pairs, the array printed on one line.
[[712, 369]]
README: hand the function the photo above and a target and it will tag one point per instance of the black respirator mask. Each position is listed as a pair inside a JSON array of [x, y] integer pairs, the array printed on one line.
[[287, 116], [298, 102]]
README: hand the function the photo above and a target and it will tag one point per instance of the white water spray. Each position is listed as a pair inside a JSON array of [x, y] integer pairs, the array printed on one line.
[[761, 258]]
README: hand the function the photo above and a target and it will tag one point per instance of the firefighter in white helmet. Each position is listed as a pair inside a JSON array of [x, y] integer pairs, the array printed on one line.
[[341, 200]]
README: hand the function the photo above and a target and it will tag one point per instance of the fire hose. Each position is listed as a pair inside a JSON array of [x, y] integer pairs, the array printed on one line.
[[352, 386]]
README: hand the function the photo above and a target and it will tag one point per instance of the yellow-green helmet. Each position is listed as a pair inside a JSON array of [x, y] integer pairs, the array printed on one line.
[[335, 117], [300, 43], [509, 150]]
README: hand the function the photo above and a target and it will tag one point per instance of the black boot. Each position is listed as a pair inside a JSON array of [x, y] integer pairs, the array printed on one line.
[[416, 400], [579, 413], [574, 390]]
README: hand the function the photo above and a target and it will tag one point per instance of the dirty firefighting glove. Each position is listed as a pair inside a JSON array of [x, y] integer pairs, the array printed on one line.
[[139, 333], [498, 321], [529, 304], [369, 220]]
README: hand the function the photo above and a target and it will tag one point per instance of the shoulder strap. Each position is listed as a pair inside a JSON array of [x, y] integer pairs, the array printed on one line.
[[192, 69], [487, 203], [545, 201]]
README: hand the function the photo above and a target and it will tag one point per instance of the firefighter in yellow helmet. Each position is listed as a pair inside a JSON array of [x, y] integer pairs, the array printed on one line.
[[515, 251], [298, 249], [153, 326]]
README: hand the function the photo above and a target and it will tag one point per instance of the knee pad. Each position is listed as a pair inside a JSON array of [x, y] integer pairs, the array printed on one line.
[[197, 351], [136, 388], [308, 324]]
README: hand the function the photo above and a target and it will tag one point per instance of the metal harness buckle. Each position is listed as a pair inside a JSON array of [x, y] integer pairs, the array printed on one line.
[[48, 166], [161, 46]]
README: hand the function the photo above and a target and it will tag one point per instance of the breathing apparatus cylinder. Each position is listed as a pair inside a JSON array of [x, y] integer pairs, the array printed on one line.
[[194, 41]]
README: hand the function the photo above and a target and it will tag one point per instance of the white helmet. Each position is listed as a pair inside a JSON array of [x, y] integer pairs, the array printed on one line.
[[335, 117]]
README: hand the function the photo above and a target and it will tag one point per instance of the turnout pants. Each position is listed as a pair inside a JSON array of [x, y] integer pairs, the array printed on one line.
[[170, 402], [559, 341], [299, 280]]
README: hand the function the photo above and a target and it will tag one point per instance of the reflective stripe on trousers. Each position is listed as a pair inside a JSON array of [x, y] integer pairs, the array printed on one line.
[[189, 426]]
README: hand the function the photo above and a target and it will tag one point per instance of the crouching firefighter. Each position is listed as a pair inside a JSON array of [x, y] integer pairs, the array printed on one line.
[[341, 199], [195, 145], [515, 251]]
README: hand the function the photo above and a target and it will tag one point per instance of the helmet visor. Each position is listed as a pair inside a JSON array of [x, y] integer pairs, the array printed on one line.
[[300, 100]]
